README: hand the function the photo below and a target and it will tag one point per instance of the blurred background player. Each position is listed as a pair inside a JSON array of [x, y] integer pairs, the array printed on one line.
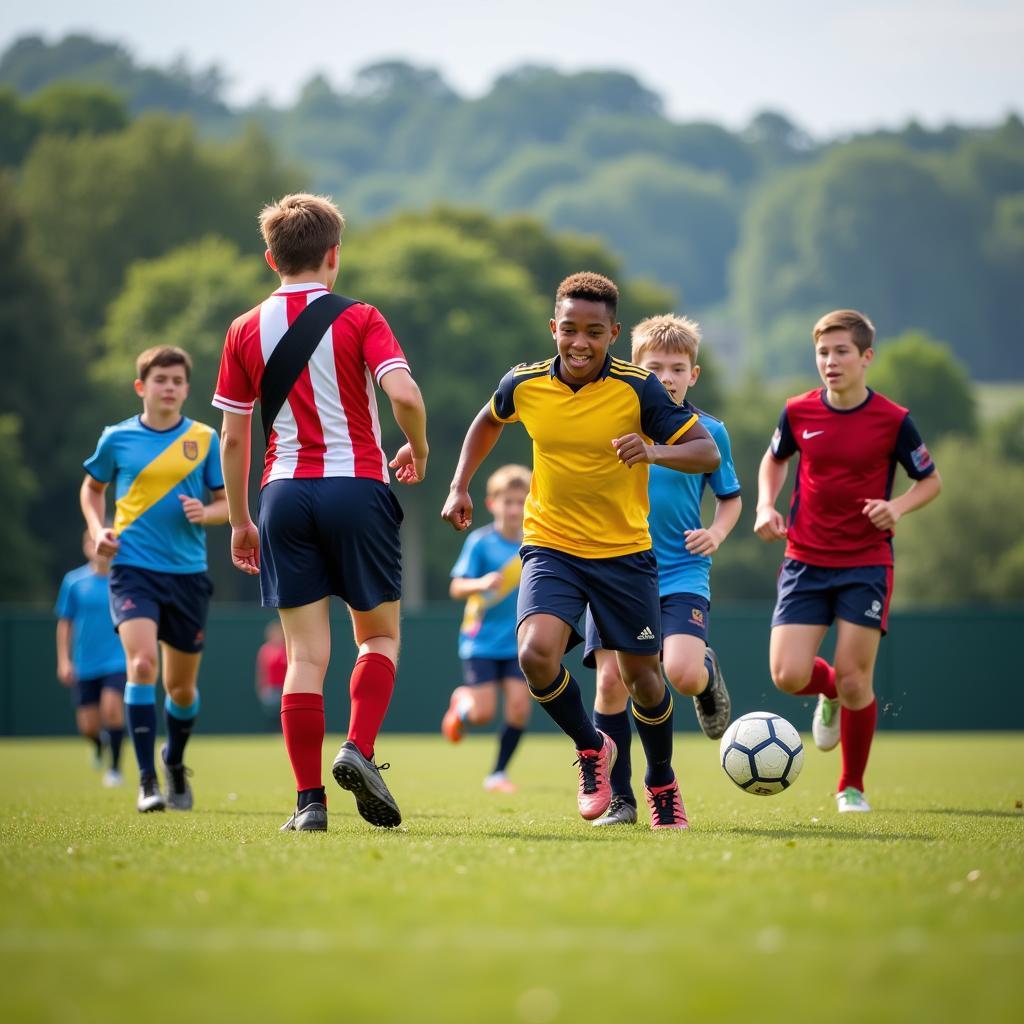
[[271, 669], [486, 576], [90, 658], [668, 347], [162, 464], [839, 557]]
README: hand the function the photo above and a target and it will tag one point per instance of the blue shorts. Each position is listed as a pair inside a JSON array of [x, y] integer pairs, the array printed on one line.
[[177, 602], [479, 671], [86, 692], [335, 535], [621, 593], [813, 595], [687, 614]]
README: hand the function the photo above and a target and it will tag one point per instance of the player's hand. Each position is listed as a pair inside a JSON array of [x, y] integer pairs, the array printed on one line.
[[106, 543], [492, 581], [632, 449], [408, 469], [881, 513], [245, 549], [458, 510], [66, 673], [702, 542], [769, 524], [194, 509]]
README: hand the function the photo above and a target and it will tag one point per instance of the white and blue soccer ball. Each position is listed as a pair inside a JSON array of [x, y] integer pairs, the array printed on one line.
[[762, 753]]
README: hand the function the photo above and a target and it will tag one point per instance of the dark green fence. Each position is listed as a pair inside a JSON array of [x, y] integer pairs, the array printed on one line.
[[950, 669]]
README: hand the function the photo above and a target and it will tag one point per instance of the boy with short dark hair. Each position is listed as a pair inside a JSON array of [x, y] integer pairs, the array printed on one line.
[[839, 558], [596, 423], [161, 464]]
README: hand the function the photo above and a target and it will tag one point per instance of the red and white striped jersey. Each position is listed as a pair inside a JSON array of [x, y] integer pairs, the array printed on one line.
[[329, 424]]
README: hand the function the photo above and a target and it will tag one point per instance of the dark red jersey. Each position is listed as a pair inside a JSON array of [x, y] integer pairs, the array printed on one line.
[[846, 457]]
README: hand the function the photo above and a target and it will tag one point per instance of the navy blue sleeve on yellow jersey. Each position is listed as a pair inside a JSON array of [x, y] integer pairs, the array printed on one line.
[[784, 444], [660, 418], [912, 452], [503, 403]]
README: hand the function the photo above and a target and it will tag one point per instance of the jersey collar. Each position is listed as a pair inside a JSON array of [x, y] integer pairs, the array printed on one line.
[[844, 412], [605, 370], [302, 286]]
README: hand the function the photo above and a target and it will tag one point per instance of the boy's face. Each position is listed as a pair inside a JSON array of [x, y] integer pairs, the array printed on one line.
[[841, 365], [507, 509], [583, 331], [164, 390], [674, 369]]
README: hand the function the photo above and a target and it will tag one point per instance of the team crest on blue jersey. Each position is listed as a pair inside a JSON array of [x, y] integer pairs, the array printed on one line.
[[921, 458], [191, 450]]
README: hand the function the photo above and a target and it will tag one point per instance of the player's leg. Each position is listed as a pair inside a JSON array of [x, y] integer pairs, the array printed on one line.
[[517, 706], [475, 701], [181, 707], [611, 716], [112, 719], [87, 716], [139, 639], [856, 652]]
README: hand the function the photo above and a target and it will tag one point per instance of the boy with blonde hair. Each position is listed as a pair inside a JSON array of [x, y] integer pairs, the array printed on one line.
[[667, 346]]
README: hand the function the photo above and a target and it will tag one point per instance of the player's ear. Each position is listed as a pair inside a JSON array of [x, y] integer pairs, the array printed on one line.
[[140, 386], [869, 354], [615, 332], [271, 262], [694, 375], [553, 328]]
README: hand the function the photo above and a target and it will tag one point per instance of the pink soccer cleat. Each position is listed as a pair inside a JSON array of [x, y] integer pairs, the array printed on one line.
[[666, 804], [595, 786]]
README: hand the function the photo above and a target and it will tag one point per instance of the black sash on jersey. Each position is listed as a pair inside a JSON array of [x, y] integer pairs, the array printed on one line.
[[294, 351]]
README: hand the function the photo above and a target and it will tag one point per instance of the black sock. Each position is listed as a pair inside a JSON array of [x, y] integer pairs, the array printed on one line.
[[507, 744], [311, 796], [116, 737], [617, 726], [564, 705], [654, 726], [97, 742], [178, 732], [705, 697]]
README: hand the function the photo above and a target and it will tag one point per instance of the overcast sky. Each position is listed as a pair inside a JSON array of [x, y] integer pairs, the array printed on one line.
[[833, 67]]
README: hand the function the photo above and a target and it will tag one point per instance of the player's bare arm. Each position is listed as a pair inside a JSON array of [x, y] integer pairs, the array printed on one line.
[[695, 452], [769, 523], [708, 541], [234, 457], [214, 514], [481, 437], [93, 498], [65, 666], [884, 515], [465, 586], [410, 461]]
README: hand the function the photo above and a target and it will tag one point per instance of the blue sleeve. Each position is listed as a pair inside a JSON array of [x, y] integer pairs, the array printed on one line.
[[66, 603], [102, 464], [660, 418], [467, 566], [724, 481], [784, 444], [912, 452], [213, 476], [503, 403]]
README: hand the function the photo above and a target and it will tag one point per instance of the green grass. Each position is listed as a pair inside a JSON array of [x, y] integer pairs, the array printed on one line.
[[510, 908]]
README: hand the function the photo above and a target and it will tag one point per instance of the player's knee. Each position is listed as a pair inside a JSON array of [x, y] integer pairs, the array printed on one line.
[[538, 662], [854, 689], [142, 668], [610, 686], [687, 680], [646, 688], [790, 678]]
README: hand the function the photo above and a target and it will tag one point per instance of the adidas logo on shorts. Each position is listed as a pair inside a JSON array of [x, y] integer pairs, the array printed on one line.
[[645, 634]]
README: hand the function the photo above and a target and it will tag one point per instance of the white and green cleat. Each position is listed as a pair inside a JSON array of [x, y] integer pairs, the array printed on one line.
[[825, 724], [851, 800]]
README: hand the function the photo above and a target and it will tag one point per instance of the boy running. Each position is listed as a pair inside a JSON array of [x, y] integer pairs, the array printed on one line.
[[596, 424], [328, 521], [668, 346], [839, 558], [161, 464], [486, 576]]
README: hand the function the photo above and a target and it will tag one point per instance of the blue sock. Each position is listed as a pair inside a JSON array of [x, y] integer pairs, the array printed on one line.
[[507, 744], [140, 711], [564, 704], [654, 727], [179, 727], [617, 726]]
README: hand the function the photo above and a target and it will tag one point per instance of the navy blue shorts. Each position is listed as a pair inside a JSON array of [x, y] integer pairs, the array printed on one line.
[[621, 593], [87, 691], [336, 535], [687, 614], [177, 602], [813, 595], [478, 671]]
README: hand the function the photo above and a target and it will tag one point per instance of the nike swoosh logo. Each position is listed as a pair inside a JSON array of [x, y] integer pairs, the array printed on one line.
[[808, 434]]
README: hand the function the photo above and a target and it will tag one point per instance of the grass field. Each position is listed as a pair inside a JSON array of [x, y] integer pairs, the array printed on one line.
[[510, 908]]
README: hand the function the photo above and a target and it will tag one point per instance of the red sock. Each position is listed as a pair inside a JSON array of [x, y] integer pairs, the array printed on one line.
[[856, 730], [302, 722], [371, 686], [823, 680]]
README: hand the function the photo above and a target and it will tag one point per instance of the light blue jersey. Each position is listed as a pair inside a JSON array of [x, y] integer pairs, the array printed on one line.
[[150, 470], [84, 599], [675, 508], [489, 625]]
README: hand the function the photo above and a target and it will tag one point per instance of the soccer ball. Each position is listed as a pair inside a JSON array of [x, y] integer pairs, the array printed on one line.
[[762, 753]]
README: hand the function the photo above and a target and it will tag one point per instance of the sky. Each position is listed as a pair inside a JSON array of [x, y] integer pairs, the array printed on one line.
[[832, 67]]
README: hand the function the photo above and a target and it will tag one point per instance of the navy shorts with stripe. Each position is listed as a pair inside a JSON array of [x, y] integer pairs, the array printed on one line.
[[480, 671], [177, 602], [814, 595], [86, 692], [335, 535], [621, 593], [687, 614]]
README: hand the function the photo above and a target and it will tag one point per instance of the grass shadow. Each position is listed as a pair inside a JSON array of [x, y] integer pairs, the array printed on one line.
[[958, 811], [817, 833]]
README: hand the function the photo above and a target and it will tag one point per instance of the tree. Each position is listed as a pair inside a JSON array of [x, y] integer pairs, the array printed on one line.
[[18, 129], [73, 109], [22, 569]]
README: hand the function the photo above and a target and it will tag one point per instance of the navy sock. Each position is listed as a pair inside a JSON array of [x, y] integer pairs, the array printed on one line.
[[617, 726], [97, 742], [179, 727], [654, 726], [116, 737], [507, 744], [311, 796], [140, 710], [707, 702], [564, 705]]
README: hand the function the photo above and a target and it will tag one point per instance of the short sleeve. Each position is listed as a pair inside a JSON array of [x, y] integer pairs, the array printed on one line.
[[102, 464], [503, 402], [660, 418], [724, 481], [911, 451], [381, 351], [235, 391], [66, 604], [213, 475], [467, 565], [784, 444]]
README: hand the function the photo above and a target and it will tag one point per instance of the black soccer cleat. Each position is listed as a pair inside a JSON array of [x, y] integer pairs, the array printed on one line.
[[361, 777], [150, 797], [312, 818], [714, 706]]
